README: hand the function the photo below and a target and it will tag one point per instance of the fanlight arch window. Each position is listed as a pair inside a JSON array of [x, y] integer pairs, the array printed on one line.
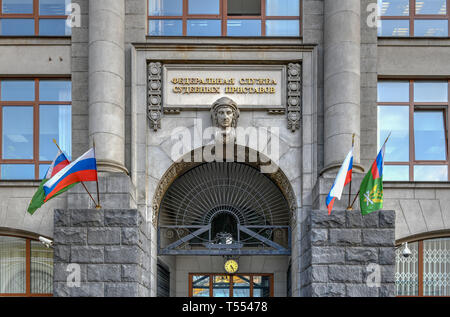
[[26, 267], [224, 208], [426, 272]]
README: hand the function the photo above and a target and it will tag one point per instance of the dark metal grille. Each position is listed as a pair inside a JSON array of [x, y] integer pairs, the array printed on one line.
[[195, 197], [224, 207]]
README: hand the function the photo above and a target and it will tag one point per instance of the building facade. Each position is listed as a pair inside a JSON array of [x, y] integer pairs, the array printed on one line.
[[219, 128]]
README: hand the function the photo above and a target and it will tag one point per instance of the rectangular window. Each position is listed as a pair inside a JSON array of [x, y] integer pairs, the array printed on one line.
[[33, 113], [415, 113], [224, 18], [426, 271], [26, 267], [418, 18], [230, 285], [34, 17]]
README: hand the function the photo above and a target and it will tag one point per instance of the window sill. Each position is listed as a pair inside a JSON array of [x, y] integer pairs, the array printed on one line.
[[35, 40], [20, 183], [402, 184], [413, 41], [224, 40]]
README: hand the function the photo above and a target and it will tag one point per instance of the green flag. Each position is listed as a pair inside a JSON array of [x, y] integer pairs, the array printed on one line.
[[38, 198], [371, 190]]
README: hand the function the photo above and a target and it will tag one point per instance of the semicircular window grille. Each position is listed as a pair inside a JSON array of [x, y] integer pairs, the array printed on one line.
[[217, 204]]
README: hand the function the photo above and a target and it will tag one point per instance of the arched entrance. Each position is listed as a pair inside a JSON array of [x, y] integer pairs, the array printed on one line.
[[224, 208], [206, 213]]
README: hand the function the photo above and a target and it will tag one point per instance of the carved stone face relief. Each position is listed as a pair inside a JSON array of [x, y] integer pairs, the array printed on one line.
[[225, 113], [225, 116]]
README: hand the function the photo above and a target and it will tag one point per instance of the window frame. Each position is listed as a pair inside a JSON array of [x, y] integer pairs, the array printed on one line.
[[211, 275], [223, 6], [36, 103], [420, 264], [420, 106], [413, 17], [35, 16], [28, 292]]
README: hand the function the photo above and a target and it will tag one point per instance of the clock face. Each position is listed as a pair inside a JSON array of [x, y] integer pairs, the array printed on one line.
[[231, 266]]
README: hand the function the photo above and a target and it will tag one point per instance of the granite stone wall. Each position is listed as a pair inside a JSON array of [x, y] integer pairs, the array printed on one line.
[[110, 248], [346, 254]]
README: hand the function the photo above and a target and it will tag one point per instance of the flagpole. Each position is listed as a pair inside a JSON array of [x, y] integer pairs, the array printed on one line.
[[98, 194], [54, 141], [360, 189], [349, 207]]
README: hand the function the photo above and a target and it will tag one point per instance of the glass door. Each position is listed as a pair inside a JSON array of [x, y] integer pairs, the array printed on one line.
[[230, 285]]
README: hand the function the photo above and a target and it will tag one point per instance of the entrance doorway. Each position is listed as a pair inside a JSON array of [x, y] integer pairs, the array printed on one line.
[[230, 285]]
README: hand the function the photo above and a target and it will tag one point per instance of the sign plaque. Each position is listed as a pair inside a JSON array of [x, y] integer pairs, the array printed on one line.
[[198, 86]]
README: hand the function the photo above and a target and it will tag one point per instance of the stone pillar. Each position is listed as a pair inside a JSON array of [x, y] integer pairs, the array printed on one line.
[[109, 250], [342, 73], [107, 83], [346, 254]]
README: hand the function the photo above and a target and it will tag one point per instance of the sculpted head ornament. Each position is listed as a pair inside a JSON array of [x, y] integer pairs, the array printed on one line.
[[224, 113]]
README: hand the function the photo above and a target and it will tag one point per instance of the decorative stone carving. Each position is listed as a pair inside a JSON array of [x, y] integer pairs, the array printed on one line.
[[294, 86], [154, 101], [224, 115]]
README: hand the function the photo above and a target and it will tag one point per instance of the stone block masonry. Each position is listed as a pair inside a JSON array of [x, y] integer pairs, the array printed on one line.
[[110, 248], [347, 254]]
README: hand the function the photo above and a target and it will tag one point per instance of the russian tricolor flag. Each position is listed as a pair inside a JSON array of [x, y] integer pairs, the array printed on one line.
[[343, 177], [83, 169], [58, 164]]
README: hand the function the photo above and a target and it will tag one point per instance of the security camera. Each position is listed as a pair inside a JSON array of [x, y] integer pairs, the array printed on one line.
[[406, 251], [47, 242]]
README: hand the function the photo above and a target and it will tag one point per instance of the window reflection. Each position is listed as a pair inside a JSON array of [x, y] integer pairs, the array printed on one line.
[[429, 135], [282, 28], [430, 173], [396, 173], [200, 285], [261, 287], [241, 286], [393, 7], [393, 91], [204, 18], [431, 28], [221, 286], [16, 27], [54, 27], [55, 90], [54, 123], [17, 141], [203, 27], [393, 28], [203, 7], [17, 171], [431, 6], [165, 27], [231, 285], [282, 8], [17, 6], [394, 120], [43, 168], [17, 90], [54, 7], [244, 28], [430, 91], [165, 7]]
